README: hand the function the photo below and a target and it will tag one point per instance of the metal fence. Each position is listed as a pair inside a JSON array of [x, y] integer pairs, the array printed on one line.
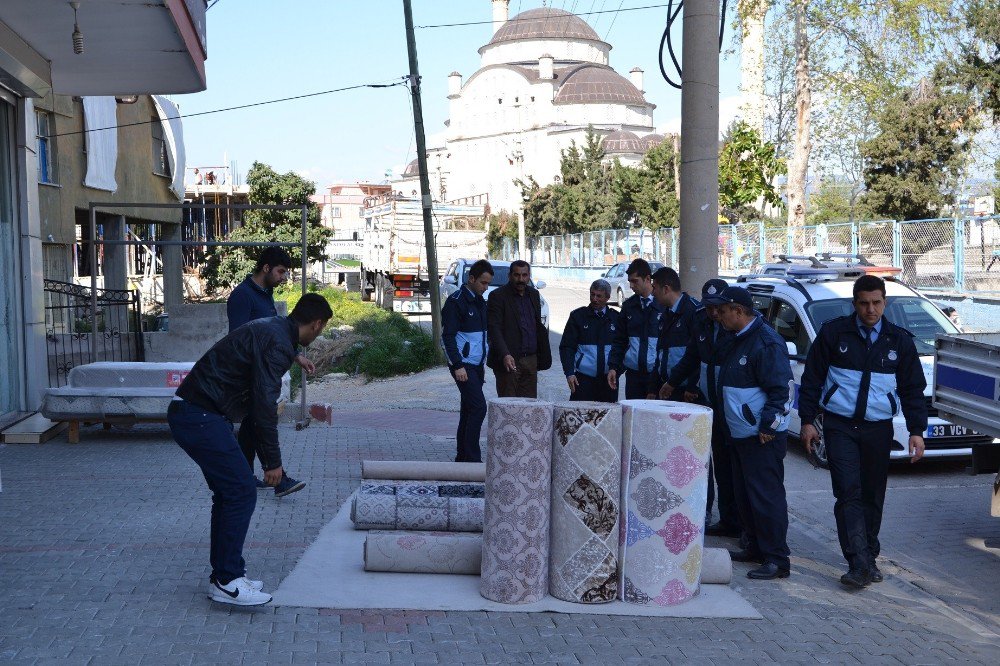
[[70, 327], [953, 254]]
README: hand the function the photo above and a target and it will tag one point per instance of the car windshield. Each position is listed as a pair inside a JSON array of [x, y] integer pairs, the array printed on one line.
[[500, 276], [917, 315]]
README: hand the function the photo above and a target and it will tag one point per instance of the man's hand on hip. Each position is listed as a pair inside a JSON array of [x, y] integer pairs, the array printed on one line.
[[916, 448], [272, 477]]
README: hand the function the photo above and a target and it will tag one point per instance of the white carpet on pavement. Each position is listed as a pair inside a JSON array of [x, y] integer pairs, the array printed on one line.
[[330, 575]]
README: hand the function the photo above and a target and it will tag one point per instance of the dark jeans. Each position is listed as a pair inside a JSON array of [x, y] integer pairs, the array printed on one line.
[[520, 384], [594, 389], [471, 414], [759, 485], [721, 472], [636, 384], [859, 468], [247, 436], [208, 439]]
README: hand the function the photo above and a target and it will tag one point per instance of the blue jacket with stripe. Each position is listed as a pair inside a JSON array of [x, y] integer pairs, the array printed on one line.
[[842, 376], [698, 369], [755, 382], [463, 328], [635, 339], [586, 338], [676, 331]]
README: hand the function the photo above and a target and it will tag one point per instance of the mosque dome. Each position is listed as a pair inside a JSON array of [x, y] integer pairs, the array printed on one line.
[[596, 84], [545, 23]]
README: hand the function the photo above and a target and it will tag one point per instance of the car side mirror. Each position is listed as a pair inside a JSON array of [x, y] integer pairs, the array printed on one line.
[[450, 279], [540, 284]]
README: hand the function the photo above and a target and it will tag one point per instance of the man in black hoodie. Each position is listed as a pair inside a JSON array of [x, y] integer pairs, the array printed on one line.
[[240, 374]]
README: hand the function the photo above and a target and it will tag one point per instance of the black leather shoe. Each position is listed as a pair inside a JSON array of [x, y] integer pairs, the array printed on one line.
[[720, 529], [857, 577], [769, 571], [746, 556], [876, 575]]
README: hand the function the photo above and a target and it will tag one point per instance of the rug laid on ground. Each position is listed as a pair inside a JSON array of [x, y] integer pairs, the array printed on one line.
[[516, 526], [665, 452], [586, 487], [422, 470], [424, 552], [330, 574], [415, 505]]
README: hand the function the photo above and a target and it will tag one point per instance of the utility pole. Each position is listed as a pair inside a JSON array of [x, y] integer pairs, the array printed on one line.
[[425, 183], [698, 247]]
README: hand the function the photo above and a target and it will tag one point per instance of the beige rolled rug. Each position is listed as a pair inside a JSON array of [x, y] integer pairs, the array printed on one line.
[[421, 470], [424, 552], [586, 489], [516, 526], [665, 452], [716, 567]]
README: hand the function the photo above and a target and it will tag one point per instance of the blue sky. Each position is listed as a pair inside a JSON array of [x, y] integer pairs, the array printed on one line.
[[261, 49]]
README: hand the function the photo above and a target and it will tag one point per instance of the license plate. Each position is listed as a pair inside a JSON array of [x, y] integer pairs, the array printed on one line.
[[946, 430]]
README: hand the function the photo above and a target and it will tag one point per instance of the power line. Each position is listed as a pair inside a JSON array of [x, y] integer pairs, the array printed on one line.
[[402, 81], [535, 18], [613, 19], [214, 3]]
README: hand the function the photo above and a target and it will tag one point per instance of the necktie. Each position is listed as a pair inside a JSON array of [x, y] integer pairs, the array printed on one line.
[[868, 336], [645, 303]]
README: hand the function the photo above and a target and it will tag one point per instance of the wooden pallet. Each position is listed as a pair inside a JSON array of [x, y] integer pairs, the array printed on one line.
[[35, 429]]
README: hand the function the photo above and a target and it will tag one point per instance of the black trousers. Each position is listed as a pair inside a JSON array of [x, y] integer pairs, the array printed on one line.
[[247, 438], [471, 415], [636, 384], [594, 389], [721, 472], [759, 486], [859, 469]]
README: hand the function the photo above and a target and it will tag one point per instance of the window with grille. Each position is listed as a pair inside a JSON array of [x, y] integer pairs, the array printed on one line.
[[46, 147], [161, 165]]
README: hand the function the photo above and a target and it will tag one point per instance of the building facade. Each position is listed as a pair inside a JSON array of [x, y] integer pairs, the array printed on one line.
[[544, 79], [153, 51]]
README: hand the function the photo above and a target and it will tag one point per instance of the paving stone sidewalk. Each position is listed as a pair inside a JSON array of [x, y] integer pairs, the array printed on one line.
[[104, 549]]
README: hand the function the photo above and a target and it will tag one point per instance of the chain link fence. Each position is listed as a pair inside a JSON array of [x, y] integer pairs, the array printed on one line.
[[950, 254]]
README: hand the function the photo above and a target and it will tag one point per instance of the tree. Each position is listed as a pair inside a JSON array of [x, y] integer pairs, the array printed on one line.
[[499, 226], [747, 169], [752, 15], [914, 162], [226, 266], [647, 195], [836, 200], [976, 66]]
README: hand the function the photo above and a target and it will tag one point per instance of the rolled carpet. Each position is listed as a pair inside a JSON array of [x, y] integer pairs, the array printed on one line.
[[665, 451], [716, 567], [417, 512], [424, 552], [516, 526], [586, 490], [419, 470]]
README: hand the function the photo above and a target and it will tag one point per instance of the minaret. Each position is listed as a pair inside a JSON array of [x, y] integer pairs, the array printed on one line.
[[500, 13]]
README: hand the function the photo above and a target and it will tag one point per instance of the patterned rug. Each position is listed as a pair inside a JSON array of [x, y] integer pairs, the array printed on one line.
[[416, 505], [424, 552]]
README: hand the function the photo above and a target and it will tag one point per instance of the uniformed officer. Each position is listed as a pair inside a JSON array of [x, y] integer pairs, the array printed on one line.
[[463, 334], [861, 371], [586, 345], [676, 327], [696, 374], [633, 351], [754, 388]]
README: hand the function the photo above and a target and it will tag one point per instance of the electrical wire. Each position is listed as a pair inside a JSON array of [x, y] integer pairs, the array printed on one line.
[[535, 18], [404, 80], [613, 19], [667, 40]]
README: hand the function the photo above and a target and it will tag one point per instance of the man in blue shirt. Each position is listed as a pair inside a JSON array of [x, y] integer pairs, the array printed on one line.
[[463, 334], [676, 328], [861, 371], [634, 350], [586, 346], [254, 299]]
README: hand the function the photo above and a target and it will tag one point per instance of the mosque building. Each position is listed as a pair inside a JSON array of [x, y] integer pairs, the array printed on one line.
[[544, 78]]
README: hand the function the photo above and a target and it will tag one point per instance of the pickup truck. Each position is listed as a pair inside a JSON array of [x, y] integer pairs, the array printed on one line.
[[967, 392]]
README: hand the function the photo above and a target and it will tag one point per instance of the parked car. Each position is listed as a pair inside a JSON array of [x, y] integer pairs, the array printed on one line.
[[803, 296], [458, 274], [620, 289]]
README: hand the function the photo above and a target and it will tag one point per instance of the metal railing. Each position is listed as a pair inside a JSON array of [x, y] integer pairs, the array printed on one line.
[[953, 254], [75, 336]]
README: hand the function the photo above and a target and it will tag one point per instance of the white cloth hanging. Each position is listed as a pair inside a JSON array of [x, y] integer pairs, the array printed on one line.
[[173, 133], [100, 120]]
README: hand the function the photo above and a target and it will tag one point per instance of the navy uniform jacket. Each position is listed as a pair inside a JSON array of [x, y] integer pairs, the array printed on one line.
[[249, 302], [463, 328], [676, 329], [635, 339], [698, 369], [755, 382], [844, 377], [586, 338]]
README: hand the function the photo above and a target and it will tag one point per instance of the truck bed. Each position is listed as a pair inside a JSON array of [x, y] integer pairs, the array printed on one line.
[[967, 380]]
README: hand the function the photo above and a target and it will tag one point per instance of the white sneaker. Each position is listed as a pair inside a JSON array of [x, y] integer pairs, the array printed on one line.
[[255, 584], [238, 593]]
